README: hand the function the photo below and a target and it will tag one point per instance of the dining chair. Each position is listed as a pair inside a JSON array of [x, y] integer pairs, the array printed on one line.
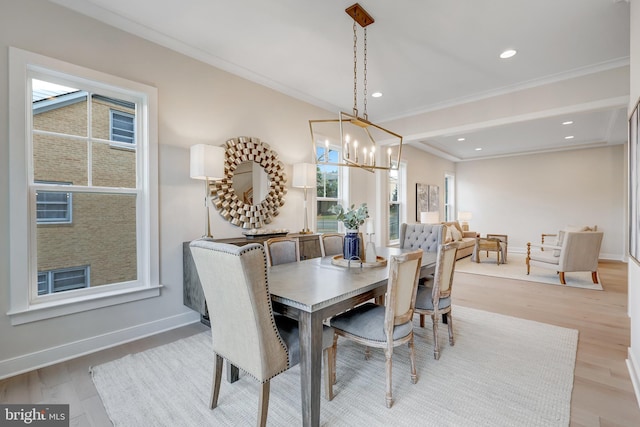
[[281, 250], [433, 298], [331, 243], [244, 328], [389, 325]]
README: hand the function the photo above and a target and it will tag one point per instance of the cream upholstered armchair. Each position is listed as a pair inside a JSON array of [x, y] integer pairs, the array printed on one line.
[[578, 251], [244, 328]]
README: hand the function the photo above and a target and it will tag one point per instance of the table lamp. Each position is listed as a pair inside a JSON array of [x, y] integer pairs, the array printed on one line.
[[304, 176], [464, 218], [207, 163]]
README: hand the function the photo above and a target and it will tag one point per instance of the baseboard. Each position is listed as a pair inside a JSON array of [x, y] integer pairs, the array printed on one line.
[[53, 355], [634, 372]]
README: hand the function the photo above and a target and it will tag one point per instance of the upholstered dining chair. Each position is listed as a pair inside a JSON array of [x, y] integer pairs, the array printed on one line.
[[281, 250], [386, 326], [422, 236], [434, 297], [245, 330], [331, 243], [578, 251]]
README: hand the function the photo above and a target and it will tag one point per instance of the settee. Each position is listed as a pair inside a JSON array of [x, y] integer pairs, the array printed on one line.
[[466, 239]]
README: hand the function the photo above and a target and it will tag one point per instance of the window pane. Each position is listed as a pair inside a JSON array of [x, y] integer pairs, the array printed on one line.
[[69, 279], [43, 285], [58, 108], [326, 220], [53, 206], [59, 159], [327, 181], [113, 166], [102, 237], [112, 119], [393, 185], [394, 222]]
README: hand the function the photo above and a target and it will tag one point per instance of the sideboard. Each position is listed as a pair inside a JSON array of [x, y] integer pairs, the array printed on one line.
[[192, 294]]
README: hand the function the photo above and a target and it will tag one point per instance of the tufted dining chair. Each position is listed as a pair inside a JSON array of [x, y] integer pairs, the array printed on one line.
[[331, 243], [244, 328], [421, 236], [281, 250], [389, 325], [434, 297]]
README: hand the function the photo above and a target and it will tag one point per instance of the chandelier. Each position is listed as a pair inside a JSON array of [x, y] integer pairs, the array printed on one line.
[[360, 140]]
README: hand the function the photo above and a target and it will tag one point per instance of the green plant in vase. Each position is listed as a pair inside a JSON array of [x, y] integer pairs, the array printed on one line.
[[352, 219]]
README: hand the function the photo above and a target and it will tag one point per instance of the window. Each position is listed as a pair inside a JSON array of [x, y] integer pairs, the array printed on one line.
[[449, 197], [82, 207], [121, 128], [396, 199], [394, 206], [53, 207], [62, 280], [328, 184]]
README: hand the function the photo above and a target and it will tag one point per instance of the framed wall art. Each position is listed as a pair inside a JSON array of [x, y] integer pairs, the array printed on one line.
[[427, 199]]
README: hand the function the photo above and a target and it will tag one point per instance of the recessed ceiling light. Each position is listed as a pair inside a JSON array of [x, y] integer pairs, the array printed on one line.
[[478, 149], [376, 94], [568, 122], [508, 53], [461, 139], [568, 137]]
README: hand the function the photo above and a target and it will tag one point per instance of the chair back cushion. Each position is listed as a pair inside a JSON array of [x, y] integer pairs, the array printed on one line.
[[404, 271], [331, 243], [421, 236], [445, 266], [235, 284], [580, 251], [282, 250]]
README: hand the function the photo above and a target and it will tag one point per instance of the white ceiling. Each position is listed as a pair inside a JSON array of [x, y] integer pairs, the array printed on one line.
[[422, 55]]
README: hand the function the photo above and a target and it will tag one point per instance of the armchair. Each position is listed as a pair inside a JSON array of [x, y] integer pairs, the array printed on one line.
[[578, 251]]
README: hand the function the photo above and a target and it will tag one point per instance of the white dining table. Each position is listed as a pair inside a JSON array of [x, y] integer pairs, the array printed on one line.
[[316, 289]]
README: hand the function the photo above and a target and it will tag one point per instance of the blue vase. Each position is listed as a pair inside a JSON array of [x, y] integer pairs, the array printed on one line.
[[351, 248]]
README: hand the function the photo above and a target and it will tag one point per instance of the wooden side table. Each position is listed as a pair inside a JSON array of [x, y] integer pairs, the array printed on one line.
[[491, 243]]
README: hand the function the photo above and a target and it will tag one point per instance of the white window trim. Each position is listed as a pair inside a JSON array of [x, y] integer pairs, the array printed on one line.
[[24, 307]]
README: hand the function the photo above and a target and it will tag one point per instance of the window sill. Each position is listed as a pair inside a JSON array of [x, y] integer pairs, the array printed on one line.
[[44, 311]]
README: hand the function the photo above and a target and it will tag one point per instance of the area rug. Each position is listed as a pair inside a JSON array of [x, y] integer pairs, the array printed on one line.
[[516, 268], [502, 371]]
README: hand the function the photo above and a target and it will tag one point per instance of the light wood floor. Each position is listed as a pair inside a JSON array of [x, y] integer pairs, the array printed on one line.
[[602, 392]]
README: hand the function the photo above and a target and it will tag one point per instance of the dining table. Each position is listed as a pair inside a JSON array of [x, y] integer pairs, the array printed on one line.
[[313, 290]]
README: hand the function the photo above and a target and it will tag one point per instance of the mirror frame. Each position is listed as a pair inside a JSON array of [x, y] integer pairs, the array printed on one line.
[[225, 199]]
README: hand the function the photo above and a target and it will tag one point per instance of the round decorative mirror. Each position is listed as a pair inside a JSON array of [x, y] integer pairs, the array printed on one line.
[[254, 185]]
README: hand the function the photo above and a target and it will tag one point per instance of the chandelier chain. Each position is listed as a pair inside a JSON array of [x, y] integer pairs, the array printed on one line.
[[355, 70], [364, 99]]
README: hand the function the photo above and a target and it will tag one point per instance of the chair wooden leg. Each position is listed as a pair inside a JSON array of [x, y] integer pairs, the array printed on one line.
[[436, 348], [528, 256], [389, 397], [328, 372], [594, 277], [422, 320], [562, 278], [412, 358], [263, 407], [215, 384], [450, 324]]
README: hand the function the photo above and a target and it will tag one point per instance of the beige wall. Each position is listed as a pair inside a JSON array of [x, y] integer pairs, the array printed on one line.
[[197, 104], [525, 196]]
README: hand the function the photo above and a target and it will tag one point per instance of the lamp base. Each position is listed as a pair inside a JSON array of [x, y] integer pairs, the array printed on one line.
[[305, 231]]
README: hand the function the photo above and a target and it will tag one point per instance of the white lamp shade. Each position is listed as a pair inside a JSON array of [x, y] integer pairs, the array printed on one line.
[[304, 175], [464, 216], [207, 161], [429, 217]]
